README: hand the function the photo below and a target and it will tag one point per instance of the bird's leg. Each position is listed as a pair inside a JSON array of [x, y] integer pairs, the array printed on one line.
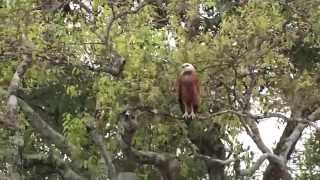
[[192, 115], [185, 115]]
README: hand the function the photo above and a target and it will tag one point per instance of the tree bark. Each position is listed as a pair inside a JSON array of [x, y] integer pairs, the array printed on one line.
[[273, 171], [216, 171], [287, 143], [12, 106]]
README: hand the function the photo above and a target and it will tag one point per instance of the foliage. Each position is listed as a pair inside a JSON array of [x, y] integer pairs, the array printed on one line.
[[309, 165], [268, 47]]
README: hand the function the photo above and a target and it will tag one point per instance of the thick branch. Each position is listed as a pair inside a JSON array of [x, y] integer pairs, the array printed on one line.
[[54, 161], [295, 134], [255, 135], [12, 107], [287, 142], [41, 126], [44, 129], [292, 139]]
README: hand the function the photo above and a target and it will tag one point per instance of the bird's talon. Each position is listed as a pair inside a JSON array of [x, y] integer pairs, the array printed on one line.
[[185, 115], [192, 115]]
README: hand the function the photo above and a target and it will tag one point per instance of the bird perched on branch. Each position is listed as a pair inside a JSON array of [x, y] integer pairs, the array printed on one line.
[[188, 88]]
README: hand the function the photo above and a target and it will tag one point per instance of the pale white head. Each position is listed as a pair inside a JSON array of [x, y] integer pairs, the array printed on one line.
[[187, 67]]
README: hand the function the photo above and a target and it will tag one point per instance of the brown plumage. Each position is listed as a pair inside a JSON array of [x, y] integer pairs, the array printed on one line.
[[188, 89]]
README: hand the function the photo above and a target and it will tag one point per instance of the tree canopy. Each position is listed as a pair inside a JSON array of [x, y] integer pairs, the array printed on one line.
[[87, 88]]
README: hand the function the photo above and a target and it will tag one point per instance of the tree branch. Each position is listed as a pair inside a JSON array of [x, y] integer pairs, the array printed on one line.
[[114, 68], [43, 128], [270, 115], [12, 113], [98, 139], [292, 139], [252, 128], [250, 171], [244, 172], [208, 159], [310, 121], [315, 115], [214, 160], [255, 135], [14, 86], [166, 163], [84, 6], [120, 15], [53, 160]]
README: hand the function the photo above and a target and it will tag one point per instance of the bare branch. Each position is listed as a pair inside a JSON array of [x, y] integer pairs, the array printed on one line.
[[270, 115], [213, 160], [310, 121], [119, 62], [249, 124], [120, 15]]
